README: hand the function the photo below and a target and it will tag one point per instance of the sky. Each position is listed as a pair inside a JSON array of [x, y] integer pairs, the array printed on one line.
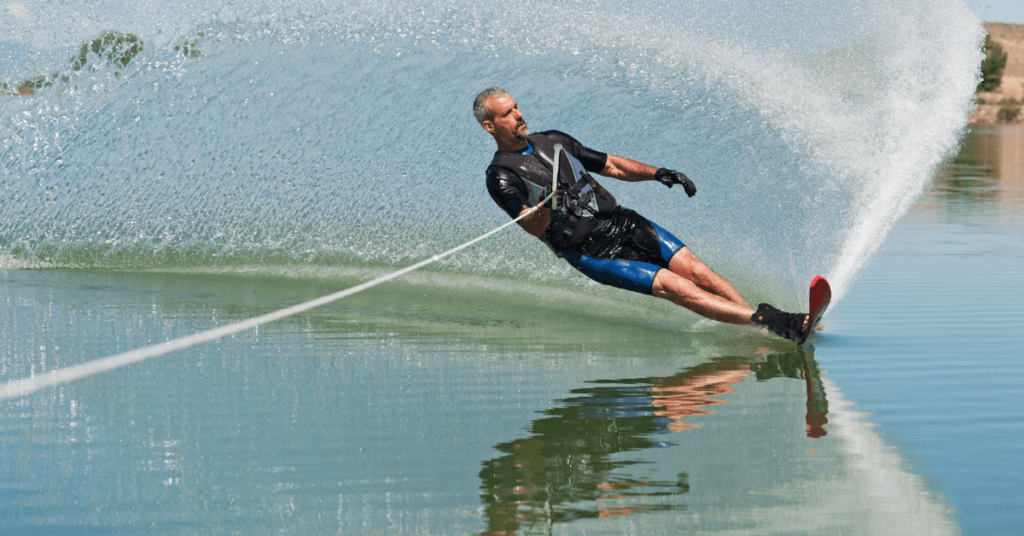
[[1002, 10]]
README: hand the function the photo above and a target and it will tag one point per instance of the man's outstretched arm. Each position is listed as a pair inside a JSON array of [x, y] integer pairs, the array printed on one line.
[[624, 169]]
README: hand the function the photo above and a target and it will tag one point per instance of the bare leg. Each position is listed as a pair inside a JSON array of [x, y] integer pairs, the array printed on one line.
[[685, 264], [691, 284], [681, 291]]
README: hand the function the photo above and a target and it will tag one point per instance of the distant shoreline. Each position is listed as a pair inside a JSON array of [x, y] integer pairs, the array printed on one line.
[[27, 91], [1010, 93]]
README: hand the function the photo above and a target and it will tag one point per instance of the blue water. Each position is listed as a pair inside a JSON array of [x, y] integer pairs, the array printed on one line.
[[927, 344], [303, 148]]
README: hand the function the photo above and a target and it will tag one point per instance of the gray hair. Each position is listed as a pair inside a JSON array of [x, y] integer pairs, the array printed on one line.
[[480, 109]]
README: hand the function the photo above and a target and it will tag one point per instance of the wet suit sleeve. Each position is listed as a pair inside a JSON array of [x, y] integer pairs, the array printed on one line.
[[507, 190], [593, 161]]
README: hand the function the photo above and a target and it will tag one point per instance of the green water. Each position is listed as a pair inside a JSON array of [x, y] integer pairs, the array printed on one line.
[[401, 411], [455, 404]]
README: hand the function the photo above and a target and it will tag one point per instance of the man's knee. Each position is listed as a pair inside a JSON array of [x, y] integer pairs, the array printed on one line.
[[672, 286], [685, 263]]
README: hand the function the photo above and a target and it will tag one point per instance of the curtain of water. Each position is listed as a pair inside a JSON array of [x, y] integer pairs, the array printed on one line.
[[322, 134]]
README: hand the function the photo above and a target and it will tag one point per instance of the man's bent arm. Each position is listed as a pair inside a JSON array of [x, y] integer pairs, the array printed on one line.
[[624, 169], [536, 222]]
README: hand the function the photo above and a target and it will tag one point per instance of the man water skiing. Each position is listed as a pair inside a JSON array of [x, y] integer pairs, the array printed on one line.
[[609, 243]]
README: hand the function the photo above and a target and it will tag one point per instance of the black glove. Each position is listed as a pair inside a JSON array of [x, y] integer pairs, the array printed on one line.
[[669, 177]]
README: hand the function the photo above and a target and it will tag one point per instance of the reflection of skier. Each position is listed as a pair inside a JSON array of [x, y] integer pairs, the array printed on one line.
[[570, 459], [680, 398], [586, 226]]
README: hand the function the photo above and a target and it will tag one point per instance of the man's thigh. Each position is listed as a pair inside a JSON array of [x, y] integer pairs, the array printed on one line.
[[686, 264], [637, 276]]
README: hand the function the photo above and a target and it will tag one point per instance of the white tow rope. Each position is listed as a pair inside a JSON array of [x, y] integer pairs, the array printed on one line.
[[26, 386]]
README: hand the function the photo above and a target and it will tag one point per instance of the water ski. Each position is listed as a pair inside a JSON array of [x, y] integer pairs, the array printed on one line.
[[821, 296]]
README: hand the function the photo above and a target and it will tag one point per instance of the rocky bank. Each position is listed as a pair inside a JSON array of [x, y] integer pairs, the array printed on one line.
[[1009, 96]]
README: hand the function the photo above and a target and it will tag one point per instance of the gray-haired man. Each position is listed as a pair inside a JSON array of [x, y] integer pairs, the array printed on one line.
[[588, 228]]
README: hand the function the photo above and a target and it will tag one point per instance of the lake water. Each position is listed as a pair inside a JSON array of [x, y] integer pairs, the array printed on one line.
[[449, 404], [926, 343], [299, 149]]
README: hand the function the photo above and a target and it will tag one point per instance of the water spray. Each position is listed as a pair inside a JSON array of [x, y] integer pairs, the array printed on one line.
[[27, 386]]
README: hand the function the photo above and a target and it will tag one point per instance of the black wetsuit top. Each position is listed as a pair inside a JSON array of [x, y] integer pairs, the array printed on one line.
[[609, 243], [515, 188]]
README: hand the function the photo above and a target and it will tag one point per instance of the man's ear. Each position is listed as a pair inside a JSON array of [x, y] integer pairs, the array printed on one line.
[[488, 126]]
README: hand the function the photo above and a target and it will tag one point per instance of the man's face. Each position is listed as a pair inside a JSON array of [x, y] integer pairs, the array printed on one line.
[[506, 121]]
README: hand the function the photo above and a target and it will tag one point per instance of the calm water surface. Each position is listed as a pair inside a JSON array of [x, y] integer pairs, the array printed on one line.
[[449, 404], [928, 341]]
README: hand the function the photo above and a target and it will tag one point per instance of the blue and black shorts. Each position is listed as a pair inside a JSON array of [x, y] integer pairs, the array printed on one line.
[[626, 253]]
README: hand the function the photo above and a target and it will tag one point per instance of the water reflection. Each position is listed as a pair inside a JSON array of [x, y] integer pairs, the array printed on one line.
[[989, 168], [568, 468]]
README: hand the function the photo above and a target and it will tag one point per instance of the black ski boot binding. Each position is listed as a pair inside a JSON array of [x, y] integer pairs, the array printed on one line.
[[783, 324]]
